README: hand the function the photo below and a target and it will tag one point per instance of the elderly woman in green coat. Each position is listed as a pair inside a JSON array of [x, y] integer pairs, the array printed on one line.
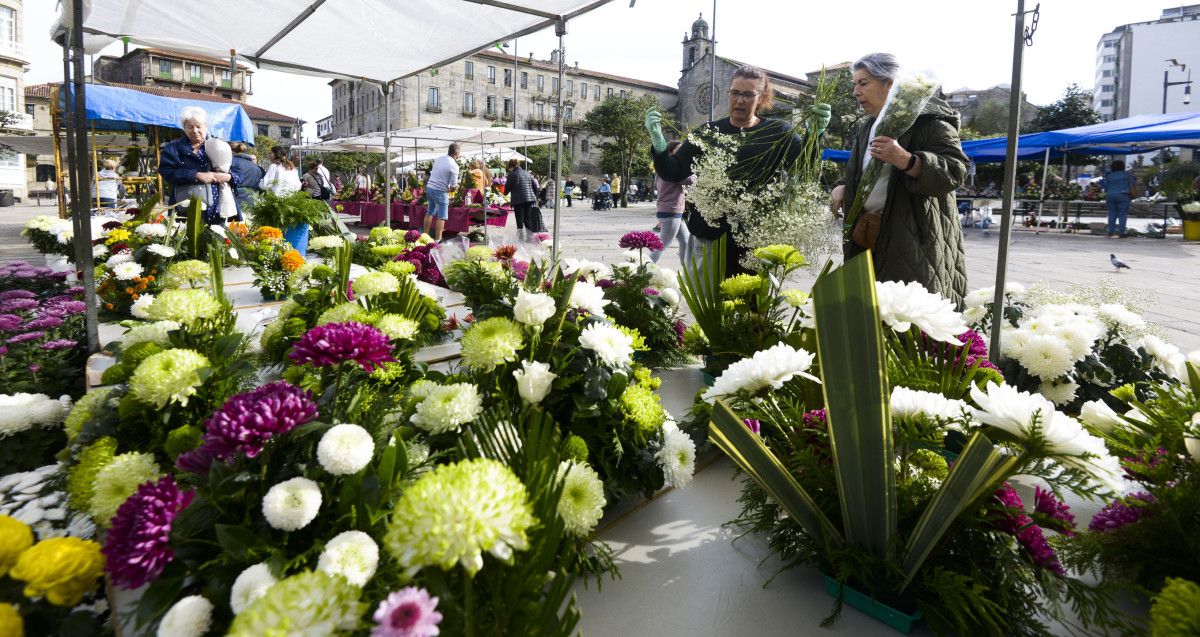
[[919, 237]]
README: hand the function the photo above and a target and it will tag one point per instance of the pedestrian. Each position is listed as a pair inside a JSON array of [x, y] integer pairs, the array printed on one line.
[[310, 183], [1118, 192], [108, 184], [616, 187], [442, 177], [249, 173], [519, 185], [670, 212], [583, 187], [569, 188], [185, 165], [281, 177], [910, 219], [362, 183]]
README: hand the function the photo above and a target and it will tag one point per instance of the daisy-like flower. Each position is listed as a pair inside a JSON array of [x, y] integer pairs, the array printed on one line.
[[676, 457], [1045, 356], [1060, 392], [168, 376], [408, 612], [345, 449], [292, 504], [373, 283], [491, 343], [903, 305], [769, 368], [398, 328], [582, 502], [250, 585], [589, 298], [189, 617], [127, 270], [455, 513], [352, 555], [611, 345], [141, 307], [151, 230], [184, 306], [911, 403], [533, 308], [99, 251], [308, 603], [118, 480], [138, 546], [447, 407], [165, 252]]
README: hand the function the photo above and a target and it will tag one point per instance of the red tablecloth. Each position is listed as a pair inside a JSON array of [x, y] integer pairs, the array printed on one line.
[[372, 214], [458, 218]]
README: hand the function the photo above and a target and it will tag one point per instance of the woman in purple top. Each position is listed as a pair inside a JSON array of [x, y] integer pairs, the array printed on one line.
[[670, 212]]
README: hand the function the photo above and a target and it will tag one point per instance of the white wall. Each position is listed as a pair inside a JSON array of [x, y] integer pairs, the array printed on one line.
[[1152, 44]]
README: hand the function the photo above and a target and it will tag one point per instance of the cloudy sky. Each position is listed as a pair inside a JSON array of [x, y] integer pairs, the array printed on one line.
[[961, 43]]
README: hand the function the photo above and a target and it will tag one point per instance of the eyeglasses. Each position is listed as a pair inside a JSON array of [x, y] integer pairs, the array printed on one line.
[[746, 95]]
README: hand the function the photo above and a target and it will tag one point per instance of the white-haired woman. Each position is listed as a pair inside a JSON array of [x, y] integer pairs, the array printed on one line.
[[108, 184], [186, 167]]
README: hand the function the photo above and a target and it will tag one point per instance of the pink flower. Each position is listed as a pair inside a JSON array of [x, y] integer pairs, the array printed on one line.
[[335, 343], [640, 239], [408, 612], [138, 546]]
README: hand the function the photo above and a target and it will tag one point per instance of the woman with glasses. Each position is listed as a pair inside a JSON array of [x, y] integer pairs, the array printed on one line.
[[766, 146]]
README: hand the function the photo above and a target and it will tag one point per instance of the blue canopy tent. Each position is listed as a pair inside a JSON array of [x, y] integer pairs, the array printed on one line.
[[111, 108]]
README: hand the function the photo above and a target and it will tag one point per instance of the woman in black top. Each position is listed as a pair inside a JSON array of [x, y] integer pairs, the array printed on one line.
[[766, 147]]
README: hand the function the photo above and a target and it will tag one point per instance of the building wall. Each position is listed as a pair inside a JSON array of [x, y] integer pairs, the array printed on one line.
[[968, 101], [1151, 45], [12, 90], [144, 68], [41, 125], [694, 88]]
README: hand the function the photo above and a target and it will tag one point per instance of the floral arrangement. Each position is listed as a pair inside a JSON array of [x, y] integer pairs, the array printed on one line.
[[41, 328], [136, 254], [295, 209], [50, 584], [272, 259], [646, 298], [52, 235]]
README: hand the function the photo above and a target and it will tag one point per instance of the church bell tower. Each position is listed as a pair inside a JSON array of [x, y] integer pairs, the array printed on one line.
[[696, 46]]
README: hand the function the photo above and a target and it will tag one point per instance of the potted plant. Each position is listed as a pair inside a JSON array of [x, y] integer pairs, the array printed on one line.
[[293, 214]]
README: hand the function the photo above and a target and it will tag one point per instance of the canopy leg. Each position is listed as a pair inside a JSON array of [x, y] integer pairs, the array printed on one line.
[[560, 29]]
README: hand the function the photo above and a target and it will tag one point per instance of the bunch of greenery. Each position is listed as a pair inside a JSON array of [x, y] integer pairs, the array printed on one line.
[[289, 210]]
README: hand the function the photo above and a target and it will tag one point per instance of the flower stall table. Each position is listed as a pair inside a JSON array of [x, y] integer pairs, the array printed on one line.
[[373, 214], [458, 219], [399, 214]]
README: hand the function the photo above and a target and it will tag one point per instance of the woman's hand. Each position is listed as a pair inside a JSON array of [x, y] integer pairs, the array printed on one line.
[[836, 199], [220, 178], [887, 150], [204, 178]]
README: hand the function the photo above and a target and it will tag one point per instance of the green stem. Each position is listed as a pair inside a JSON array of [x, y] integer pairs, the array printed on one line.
[[468, 606]]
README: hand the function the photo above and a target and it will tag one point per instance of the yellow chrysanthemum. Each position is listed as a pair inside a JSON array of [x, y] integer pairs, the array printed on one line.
[[63, 569], [268, 233], [291, 260], [15, 537], [11, 623], [117, 235]]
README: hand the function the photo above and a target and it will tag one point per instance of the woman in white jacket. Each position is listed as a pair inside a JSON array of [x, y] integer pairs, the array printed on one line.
[[281, 177]]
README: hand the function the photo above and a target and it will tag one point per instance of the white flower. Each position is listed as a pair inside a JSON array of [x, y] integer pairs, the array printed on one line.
[[907, 402], [326, 243], [1099, 416], [161, 250], [583, 267], [533, 308], [140, 307], [345, 449], [665, 279], [613, 346], [548, 244], [123, 256], [972, 315], [533, 381], [99, 251], [292, 504], [151, 230], [670, 296], [397, 327], [1046, 356], [421, 389], [903, 305], [1059, 392], [589, 298], [582, 502], [250, 585], [351, 554], [677, 457], [21, 411], [148, 333], [189, 617], [1169, 357], [126, 270], [769, 368], [448, 407], [373, 283], [1118, 316]]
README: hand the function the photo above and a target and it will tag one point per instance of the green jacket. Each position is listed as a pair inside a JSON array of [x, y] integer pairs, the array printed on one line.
[[920, 238]]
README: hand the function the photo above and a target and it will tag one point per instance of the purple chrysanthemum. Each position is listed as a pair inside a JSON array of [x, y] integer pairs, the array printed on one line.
[[26, 337], [1060, 517], [412, 235], [34, 368], [197, 461], [9, 322], [1140, 467], [603, 284], [74, 290], [44, 323], [520, 269], [408, 612], [641, 239], [16, 294], [1012, 519], [58, 343], [1012, 516], [138, 546], [336, 343], [3, 350], [13, 305], [247, 421], [1034, 541], [1118, 513], [111, 225], [680, 330], [542, 236], [753, 425], [65, 308], [650, 291]]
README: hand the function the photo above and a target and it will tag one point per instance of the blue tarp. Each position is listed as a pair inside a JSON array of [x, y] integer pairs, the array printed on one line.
[[111, 108]]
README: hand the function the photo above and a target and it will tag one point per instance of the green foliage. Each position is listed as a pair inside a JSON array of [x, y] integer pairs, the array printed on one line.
[[620, 120], [541, 161], [195, 228], [262, 148], [991, 118], [1176, 610], [847, 114], [290, 210], [1178, 177], [349, 163]]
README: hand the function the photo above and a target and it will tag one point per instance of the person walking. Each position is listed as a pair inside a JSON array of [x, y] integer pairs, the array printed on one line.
[[108, 185], [615, 184], [670, 212], [1118, 193], [583, 187], [281, 177], [442, 178], [519, 185], [569, 189], [249, 175]]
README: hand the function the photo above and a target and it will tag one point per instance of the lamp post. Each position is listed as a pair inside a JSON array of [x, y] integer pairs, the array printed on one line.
[[1187, 99]]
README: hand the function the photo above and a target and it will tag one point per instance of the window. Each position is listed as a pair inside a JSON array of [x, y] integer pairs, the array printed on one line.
[[524, 80], [541, 111], [285, 132], [264, 129], [508, 77], [583, 145], [554, 84], [583, 90], [508, 107], [541, 83], [434, 100], [491, 105], [568, 112], [570, 88], [468, 102], [1106, 103], [227, 78], [8, 26], [1106, 74], [45, 172], [597, 93], [29, 109], [164, 68], [469, 70], [610, 91], [1108, 59], [194, 71], [553, 111], [491, 78], [8, 94], [1107, 88]]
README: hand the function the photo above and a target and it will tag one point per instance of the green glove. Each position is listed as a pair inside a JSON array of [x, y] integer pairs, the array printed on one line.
[[818, 118], [654, 127]]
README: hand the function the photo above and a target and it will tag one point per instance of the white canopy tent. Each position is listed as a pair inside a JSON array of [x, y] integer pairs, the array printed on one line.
[[504, 154]]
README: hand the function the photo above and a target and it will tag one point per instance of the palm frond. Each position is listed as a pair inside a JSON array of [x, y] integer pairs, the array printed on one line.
[[700, 285]]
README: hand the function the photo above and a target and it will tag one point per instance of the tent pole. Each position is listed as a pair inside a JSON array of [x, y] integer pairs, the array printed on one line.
[[68, 117], [1045, 170], [1010, 179], [483, 160], [560, 29], [387, 153], [83, 234]]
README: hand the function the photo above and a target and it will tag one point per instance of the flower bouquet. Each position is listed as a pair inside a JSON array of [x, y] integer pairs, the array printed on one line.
[[645, 297], [50, 235], [49, 581], [272, 259]]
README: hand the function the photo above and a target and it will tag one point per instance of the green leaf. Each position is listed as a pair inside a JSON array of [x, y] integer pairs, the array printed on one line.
[[157, 599], [700, 285], [854, 380], [238, 541]]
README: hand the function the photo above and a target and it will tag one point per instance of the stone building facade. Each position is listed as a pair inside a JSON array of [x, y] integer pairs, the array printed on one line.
[[176, 70], [13, 63]]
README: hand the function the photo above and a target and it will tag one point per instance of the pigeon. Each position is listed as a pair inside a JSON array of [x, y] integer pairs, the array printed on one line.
[[1117, 263]]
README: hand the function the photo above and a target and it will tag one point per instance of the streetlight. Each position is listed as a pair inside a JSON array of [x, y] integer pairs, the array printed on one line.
[[1187, 99]]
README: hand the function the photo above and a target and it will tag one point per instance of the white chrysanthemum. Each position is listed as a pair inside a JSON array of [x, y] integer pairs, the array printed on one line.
[[983, 296], [973, 315], [161, 250], [186, 306], [1168, 356], [292, 504], [670, 296], [250, 585], [351, 554], [124, 256], [665, 279], [676, 457], [151, 230], [99, 251], [534, 380], [1059, 392], [533, 308], [155, 332], [373, 283], [589, 298], [189, 617], [1099, 416], [1045, 356], [140, 308], [421, 389], [1120, 317], [903, 305], [126, 270], [613, 346], [769, 368], [583, 267], [448, 407], [582, 502], [326, 242], [21, 411], [907, 402], [345, 449], [398, 328]]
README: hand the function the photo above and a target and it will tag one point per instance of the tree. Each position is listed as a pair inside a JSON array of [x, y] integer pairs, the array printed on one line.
[[262, 148], [1074, 109], [620, 119], [991, 118], [541, 161], [349, 163]]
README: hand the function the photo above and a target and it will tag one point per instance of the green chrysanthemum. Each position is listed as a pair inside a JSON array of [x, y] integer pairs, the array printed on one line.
[[81, 478], [308, 603], [118, 480], [298, 279], [148, 333], [389, 372], [931, 462], [643, 376], [184, 306], [399, 269], [170, 376], [83, 411], [373, 283], [741, 285], [491, 343], [577, 448], [183, 439], [493, 270], [478, 253], [387, 251], [794, 298], [640, 405], [454, 513], [190, 273], [380, 235], [636, 340], [446, 407], [348, 311], [582, 502], [780, 254], [397, 327]]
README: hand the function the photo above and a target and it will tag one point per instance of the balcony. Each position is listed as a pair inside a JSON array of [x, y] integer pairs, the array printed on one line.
[[468, 112], [433, 108], [11, 49]]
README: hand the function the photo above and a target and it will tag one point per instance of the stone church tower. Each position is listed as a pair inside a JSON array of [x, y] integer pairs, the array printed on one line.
[[698, 45]]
